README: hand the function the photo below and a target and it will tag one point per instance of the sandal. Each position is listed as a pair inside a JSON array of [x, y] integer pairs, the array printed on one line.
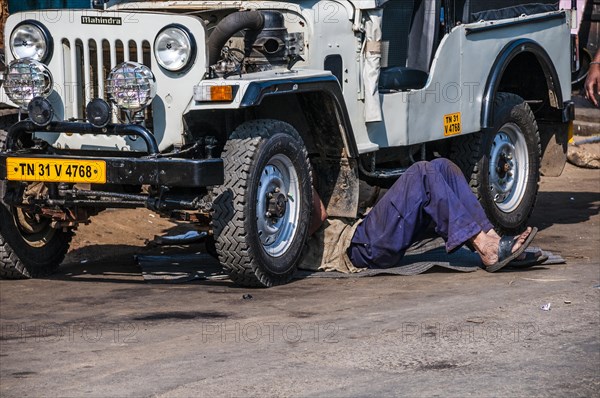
[[531, 259], [505, 253]]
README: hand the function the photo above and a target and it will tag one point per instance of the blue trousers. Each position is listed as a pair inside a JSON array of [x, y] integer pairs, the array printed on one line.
[[435, 191]]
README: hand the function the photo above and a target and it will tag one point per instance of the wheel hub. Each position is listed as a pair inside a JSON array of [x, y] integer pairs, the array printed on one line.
[[30, 223], [276, 206], [277, 211], [504, 166], [34, 230], [508, 167]]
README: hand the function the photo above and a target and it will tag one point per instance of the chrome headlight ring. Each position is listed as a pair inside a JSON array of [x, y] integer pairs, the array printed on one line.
[[175, 48], [31, 39]]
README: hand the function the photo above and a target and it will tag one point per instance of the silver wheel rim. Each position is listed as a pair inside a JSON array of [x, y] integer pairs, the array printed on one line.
[[508, 167], [278, 183]]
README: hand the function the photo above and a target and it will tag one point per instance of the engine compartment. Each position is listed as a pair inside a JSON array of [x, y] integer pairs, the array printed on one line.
[[252, 41]]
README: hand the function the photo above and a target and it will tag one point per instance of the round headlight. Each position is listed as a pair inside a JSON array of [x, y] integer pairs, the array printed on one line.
[[174, 48], [26, 79], [131, 86], [30, 39]]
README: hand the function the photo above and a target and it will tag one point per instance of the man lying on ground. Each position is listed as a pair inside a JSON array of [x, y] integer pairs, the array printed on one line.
[[435, 191]]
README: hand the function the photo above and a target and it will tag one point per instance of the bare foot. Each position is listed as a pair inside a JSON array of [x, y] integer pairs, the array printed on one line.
[[487, 245], [492, 233]]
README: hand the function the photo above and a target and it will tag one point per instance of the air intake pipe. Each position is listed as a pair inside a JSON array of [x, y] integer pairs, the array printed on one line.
[[254, 21]]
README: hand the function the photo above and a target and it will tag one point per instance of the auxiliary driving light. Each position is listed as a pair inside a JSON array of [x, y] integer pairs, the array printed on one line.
[[98, 112], [131, 86], [40, 111], [26, 79]]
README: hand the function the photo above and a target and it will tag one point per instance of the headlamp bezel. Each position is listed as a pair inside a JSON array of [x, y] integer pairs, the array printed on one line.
[[46, 35], [193, 48]]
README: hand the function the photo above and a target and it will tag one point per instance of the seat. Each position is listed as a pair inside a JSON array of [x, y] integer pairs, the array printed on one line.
[[394, 75], [397, 19], [400, 78]]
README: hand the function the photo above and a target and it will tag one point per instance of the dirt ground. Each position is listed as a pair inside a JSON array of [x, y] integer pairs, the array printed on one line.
[[97, 329]]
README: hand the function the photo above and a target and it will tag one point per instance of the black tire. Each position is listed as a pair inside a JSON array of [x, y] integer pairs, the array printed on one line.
[[506, 186], [257, 156], [28, 254], [211, 246]]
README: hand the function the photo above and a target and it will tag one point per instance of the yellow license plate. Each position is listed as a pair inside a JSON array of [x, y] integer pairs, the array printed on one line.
[[56, 170], [452, 124]]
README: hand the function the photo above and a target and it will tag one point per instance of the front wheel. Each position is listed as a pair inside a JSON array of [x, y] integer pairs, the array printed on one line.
[[503, 165], [29, 246], [261, 212]]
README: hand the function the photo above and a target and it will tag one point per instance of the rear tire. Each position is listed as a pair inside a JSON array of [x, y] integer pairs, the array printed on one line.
[[503, 166], [261, 212], [29, 246]]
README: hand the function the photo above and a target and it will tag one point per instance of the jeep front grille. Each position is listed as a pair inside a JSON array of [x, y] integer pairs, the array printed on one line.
[[86, 67]]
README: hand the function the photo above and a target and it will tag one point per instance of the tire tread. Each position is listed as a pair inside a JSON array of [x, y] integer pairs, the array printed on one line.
[[235, 254], [11, 266]]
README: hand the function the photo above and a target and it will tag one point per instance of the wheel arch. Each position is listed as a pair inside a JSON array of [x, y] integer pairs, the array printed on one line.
[[308, 105], [512, 58], [316, 109]]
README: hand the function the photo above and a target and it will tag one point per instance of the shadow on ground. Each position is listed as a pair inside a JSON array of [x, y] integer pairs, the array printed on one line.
[[564, 208], [115, 263]]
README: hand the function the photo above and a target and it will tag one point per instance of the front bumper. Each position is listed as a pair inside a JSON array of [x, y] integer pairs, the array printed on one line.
[[123, 170]]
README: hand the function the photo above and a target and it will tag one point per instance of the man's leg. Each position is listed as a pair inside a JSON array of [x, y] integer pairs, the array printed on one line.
[[455, 179], [459, 185], [419, 196], [423, 194]]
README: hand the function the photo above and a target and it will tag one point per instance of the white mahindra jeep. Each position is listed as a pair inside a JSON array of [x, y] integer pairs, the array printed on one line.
[[226, 114]]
